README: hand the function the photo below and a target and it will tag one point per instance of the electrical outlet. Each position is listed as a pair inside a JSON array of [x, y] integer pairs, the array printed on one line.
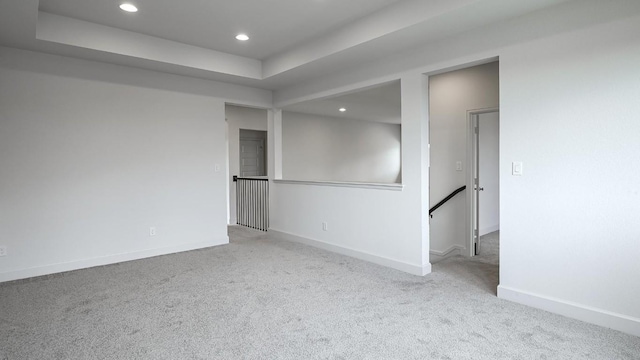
[[3, 251], [325, 227], [516, 168], [152, 231]]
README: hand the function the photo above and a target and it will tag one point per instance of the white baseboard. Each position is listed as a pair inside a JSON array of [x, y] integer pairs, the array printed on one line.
[[436, 255], [376, 259], [106, 260], [490, 229], [573, 310]]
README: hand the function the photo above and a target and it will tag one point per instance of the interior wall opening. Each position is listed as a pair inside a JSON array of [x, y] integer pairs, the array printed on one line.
[[352, 137], [252, 153], [245, 126], [452, 96]]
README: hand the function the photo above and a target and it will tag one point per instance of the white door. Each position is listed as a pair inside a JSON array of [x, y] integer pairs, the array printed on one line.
[[489, 146], [252, 157], [485, 189]]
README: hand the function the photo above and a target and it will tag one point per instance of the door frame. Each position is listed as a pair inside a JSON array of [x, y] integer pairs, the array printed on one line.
[[472, 163], [257, 135]]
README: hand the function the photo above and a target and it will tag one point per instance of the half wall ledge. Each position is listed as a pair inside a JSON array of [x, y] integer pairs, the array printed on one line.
[[360, 185]]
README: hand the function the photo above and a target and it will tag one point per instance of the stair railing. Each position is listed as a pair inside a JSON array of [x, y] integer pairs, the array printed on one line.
[[449, 197], [252, 202]]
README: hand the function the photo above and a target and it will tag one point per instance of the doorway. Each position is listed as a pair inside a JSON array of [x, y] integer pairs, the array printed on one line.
[[252, 153], [484, 182]]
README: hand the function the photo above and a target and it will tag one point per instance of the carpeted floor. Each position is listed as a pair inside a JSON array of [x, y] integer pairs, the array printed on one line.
[[263, 298], [489, 245]]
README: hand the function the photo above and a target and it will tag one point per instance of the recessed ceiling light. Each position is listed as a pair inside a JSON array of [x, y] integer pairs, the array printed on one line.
[[128, 7], [342, 109], [242, 37]]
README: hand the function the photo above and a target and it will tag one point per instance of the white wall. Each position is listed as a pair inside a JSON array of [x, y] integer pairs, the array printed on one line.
[[570, 224], [569, 90], [239, 117], [89, 165], [317, 147], [451, 95], [489, 144], [387, 225]]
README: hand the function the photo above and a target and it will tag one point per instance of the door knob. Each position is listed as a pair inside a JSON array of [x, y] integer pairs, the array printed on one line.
[[481, 189]]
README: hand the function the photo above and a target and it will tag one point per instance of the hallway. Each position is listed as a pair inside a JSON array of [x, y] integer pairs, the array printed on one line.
[[481, 271]]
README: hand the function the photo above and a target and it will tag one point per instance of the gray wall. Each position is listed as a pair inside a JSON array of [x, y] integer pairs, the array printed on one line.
[[331, 149]]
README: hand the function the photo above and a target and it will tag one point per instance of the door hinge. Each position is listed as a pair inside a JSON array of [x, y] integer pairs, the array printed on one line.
[[475, 129]]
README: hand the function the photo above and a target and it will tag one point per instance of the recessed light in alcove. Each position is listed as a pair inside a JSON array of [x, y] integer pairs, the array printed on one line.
[[128, 7], [342, 109], [242, 37]]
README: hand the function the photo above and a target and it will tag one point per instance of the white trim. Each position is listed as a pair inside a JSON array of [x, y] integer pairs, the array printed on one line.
[[437, 255], [376, 259], [106, 260], [379, 186], [620, 322]]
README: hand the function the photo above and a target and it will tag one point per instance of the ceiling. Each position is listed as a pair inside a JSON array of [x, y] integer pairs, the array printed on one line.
[[274, 25], [381, 103], [292, 41]]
